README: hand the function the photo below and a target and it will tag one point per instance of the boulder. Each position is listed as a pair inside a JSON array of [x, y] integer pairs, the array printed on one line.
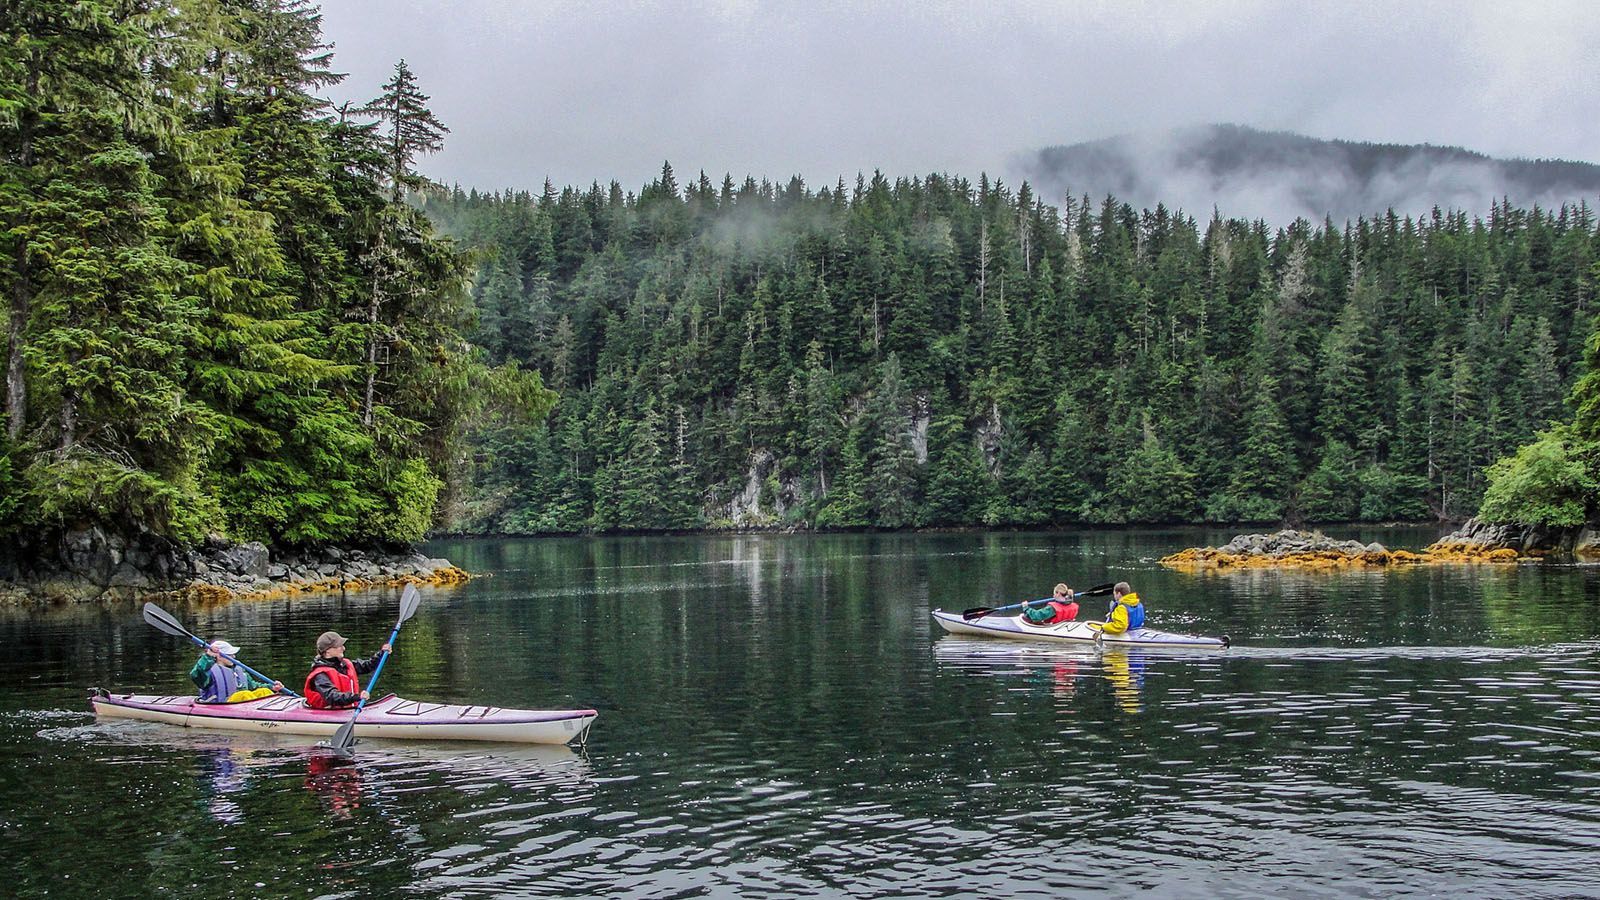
[[250, 559]]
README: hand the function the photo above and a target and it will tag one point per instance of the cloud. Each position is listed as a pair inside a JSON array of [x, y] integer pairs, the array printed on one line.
[[583, 91]]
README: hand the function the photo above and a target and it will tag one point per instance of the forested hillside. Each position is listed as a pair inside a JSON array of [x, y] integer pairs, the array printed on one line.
[[223, 318], [930, 352]]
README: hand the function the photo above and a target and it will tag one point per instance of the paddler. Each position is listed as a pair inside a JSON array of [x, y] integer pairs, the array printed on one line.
[[1052, 610], [221, 681], [334, 682], [1126, 611]]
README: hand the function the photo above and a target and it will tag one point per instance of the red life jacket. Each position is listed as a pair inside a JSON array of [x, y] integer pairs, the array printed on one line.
[[344, 681], [1065, 612]]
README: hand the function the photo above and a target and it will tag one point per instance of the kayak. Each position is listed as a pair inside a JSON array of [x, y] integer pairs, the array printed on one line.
[[389, 717], [1014, 628]]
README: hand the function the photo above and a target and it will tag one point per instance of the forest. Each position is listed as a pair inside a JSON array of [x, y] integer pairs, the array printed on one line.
[[223, 317], [236, 310], [928, 352]]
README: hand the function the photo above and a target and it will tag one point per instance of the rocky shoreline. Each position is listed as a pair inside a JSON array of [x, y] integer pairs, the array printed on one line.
[[1290, 549], [93, 565]]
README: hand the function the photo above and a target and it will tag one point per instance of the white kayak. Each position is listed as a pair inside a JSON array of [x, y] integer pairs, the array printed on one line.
[[1016, 628], [388, 717]]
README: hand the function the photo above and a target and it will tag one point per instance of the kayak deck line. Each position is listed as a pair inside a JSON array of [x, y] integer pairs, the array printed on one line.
[[1015, 628], [388, 717]]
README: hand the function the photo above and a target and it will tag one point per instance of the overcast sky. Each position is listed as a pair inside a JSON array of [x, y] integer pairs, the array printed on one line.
[[579, 91]]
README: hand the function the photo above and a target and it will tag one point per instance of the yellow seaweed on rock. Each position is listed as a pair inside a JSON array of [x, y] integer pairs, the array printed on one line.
[[1209, 558], [214, 593]]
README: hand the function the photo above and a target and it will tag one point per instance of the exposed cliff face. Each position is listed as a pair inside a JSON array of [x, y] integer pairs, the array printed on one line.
[[92, 564]]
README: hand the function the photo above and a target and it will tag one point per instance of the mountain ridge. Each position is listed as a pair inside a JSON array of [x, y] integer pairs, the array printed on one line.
[[1281, 175]]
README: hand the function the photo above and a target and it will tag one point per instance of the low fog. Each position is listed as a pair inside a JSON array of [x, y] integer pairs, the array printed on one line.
[[1279, 176], [605, 90]]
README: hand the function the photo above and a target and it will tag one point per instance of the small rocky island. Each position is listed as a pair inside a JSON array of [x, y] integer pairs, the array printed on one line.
[[93, 564], [1474, 542]]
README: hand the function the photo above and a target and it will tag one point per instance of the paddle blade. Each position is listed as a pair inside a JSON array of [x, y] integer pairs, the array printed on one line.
[[977, 612], [344, 740], [1106, 588], [163, 621], [409, 601]]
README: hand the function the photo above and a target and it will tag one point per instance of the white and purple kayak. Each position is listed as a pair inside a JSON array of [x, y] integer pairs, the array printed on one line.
[[1015, 628], [389, 717]]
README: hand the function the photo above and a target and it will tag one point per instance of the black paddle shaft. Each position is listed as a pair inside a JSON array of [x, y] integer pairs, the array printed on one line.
[[979, 612]]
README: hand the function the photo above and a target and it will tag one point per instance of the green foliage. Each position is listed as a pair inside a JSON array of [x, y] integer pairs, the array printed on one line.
[[1032, 343], [220, 320], [231, 310], [407, 502], [1543, 483]]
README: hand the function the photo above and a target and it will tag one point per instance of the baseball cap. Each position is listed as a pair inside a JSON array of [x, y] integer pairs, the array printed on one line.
[[223, 647], [328, 640]]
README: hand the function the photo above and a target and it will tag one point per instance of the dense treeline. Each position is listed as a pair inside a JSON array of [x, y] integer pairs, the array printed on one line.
[[931, 352], [223, 318]]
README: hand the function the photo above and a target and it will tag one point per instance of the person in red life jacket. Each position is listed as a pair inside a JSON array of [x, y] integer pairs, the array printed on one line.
[[335, 682], [221, 681], [1052, 611]]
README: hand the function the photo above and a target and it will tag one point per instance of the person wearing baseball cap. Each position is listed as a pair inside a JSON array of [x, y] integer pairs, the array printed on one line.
[[221, 681], [335, 682]]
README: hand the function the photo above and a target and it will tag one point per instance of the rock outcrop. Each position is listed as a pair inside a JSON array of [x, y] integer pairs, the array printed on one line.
[[1312, 550], [93, 564]]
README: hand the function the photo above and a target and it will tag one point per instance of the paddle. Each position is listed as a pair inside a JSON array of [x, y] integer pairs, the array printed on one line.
[[979, 612], [163, 621], [344, 740]]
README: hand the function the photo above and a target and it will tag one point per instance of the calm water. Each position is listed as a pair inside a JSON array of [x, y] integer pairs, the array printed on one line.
[[780, 717]]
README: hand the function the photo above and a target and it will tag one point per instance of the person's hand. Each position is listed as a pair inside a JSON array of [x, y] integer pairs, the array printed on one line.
[[212, 652], [365, 695], [387, 648], [277, 686]]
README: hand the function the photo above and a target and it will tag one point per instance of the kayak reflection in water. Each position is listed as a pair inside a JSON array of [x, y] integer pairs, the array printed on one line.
[[1051, 610], [220, 680], [335, 779], [1127, 678]]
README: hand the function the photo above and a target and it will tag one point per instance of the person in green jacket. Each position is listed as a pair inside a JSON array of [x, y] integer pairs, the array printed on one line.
[[221, 681]]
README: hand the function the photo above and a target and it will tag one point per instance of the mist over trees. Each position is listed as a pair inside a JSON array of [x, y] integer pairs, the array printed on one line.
[[932, 352], [1279, 175]]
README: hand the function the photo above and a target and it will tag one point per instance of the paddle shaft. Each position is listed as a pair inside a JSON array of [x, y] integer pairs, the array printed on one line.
[[382, 658], [981, 611], [161, 620]]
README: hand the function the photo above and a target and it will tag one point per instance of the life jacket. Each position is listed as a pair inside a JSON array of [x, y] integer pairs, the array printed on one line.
[[344, 680], [1065, 612], [224, 680], [1135, 609]]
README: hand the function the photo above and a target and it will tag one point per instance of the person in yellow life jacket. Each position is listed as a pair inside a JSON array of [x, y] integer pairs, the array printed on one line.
[[1127, 613], [334, 682]]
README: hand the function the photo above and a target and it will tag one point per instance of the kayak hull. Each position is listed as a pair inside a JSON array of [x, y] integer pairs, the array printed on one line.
[[1080, 633], [390, 718]]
